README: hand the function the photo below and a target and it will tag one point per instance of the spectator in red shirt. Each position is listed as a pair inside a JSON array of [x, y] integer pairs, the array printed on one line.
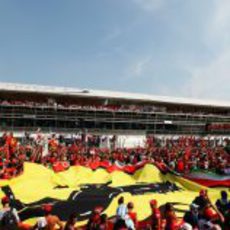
[[170, 218], [95, 219], [104, 224], [155, 221]]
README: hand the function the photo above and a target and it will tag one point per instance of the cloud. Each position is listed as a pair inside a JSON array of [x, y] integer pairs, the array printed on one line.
[[212, 79], [218, 28]]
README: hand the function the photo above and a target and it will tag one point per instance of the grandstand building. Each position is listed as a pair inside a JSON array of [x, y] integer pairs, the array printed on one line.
[[68, 110]]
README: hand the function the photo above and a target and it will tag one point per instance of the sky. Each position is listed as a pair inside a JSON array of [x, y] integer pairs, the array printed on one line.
[[162, 47]]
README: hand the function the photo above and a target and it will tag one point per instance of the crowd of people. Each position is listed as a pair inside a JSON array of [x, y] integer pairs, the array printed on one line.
[[102, 107], [181, 154], [202, 215], [52, 103]]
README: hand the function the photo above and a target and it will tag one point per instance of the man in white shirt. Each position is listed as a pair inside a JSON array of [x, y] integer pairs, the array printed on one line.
[[121, 214], [122, 209]]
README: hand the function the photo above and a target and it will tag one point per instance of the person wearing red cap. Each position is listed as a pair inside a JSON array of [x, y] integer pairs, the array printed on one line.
[[49, 221], [155, 220], [9, 218]]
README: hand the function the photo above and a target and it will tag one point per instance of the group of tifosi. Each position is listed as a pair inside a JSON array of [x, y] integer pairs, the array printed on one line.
[[201, 215], [183, 154]]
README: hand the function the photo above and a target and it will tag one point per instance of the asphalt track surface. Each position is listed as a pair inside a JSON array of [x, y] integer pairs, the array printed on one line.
[[82, 202]]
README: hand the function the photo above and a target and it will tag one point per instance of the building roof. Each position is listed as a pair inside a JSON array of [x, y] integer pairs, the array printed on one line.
[[30, 88]]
